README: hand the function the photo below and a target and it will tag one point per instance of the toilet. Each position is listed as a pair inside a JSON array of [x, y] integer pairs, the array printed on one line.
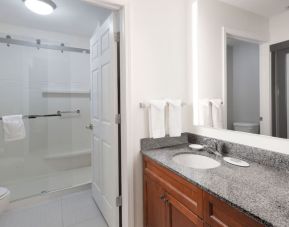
[[247, 127], [4, 199]]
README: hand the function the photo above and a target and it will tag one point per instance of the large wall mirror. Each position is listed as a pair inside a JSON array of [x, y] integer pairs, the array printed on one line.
[[241, 55]]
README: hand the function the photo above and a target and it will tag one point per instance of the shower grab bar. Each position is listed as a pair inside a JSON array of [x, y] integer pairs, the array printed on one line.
[[68, 112], [58, 114]]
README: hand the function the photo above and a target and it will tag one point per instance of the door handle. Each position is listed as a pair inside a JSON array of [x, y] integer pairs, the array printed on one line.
[[89, 126]]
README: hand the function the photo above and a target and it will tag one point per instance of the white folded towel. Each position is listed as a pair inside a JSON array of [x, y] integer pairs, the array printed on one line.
[[13, 127], [175, 117], [205, 113], [217, 113], [157, 118]]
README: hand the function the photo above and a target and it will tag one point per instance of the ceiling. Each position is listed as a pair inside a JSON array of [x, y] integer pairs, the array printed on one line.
[[75, 17], [267, 8]]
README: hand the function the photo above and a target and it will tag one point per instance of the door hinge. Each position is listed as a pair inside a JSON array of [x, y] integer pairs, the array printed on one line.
[[117, 37], [118, 201], [117, 119]]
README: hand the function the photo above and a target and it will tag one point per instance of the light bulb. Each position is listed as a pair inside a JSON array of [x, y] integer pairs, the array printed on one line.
[[42, 7]]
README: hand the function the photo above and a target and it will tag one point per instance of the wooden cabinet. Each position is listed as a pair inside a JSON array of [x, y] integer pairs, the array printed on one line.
[[186, 193], [171, 201], [163, 210]]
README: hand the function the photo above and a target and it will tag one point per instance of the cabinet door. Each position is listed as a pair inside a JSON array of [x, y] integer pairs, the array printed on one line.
[[219, 214], [188, 194], [178, 215], [154, 205]]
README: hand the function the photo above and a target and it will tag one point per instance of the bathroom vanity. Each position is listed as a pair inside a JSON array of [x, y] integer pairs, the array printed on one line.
[[179, 196], [172, 201]]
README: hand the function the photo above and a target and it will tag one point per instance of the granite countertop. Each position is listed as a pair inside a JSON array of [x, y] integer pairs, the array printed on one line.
[[260, 191]]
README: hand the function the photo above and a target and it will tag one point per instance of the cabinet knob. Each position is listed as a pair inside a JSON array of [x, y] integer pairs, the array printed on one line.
[[162, 197]]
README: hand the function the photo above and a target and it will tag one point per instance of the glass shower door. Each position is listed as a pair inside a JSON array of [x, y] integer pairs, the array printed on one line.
[[55, 153]]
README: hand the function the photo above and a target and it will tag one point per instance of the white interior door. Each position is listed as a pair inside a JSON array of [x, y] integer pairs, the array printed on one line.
[[104, 100]]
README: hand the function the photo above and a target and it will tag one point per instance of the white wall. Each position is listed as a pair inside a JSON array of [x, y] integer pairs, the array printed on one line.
[[244, 106], [279, 31], [159, 69]]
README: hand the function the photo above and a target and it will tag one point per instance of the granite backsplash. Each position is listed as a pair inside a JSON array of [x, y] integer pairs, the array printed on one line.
[[261, 156]]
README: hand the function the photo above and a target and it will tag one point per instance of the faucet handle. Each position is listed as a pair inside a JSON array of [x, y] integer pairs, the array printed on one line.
[[211, 143], [214, 145], [220, 147]]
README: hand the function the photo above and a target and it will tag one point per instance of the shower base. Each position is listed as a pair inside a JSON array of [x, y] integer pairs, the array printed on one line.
[[26, 188]]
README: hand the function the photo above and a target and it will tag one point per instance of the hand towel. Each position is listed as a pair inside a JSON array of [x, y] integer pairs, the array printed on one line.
[[157, 118], [217, 113], [13, 127], [175, 118], [205, 113]]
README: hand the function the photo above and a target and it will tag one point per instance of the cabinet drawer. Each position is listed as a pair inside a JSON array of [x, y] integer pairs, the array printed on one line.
[[219, 214], [183, 191]]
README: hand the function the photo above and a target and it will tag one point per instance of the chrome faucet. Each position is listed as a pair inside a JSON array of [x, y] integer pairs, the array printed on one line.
[[212, 146]]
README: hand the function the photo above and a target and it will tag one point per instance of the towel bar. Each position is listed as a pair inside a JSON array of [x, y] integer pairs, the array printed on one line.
[[143, 105], [58, 114]]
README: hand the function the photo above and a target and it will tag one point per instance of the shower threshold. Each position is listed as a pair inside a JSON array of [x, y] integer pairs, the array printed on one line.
[[45, 185], [36, 199]]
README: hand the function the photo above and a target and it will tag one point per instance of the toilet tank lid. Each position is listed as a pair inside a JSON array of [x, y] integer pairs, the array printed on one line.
[[3, 191], [245, 124]]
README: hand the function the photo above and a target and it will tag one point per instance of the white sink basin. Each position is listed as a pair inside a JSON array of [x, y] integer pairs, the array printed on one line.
[[196, 161]]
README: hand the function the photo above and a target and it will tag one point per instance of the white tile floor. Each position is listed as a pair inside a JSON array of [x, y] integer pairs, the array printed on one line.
[[72, 210]]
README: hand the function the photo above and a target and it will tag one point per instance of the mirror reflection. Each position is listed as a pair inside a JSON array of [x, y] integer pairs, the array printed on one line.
[[241, 47]]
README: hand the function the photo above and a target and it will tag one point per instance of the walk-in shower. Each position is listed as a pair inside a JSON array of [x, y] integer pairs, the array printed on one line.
[[47, 82]]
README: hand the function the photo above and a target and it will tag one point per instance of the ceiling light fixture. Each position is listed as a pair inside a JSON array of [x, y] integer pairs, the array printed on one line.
[[42, 7]]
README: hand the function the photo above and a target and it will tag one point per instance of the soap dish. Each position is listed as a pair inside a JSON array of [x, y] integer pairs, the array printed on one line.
[[235, 161], [196, 147]]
